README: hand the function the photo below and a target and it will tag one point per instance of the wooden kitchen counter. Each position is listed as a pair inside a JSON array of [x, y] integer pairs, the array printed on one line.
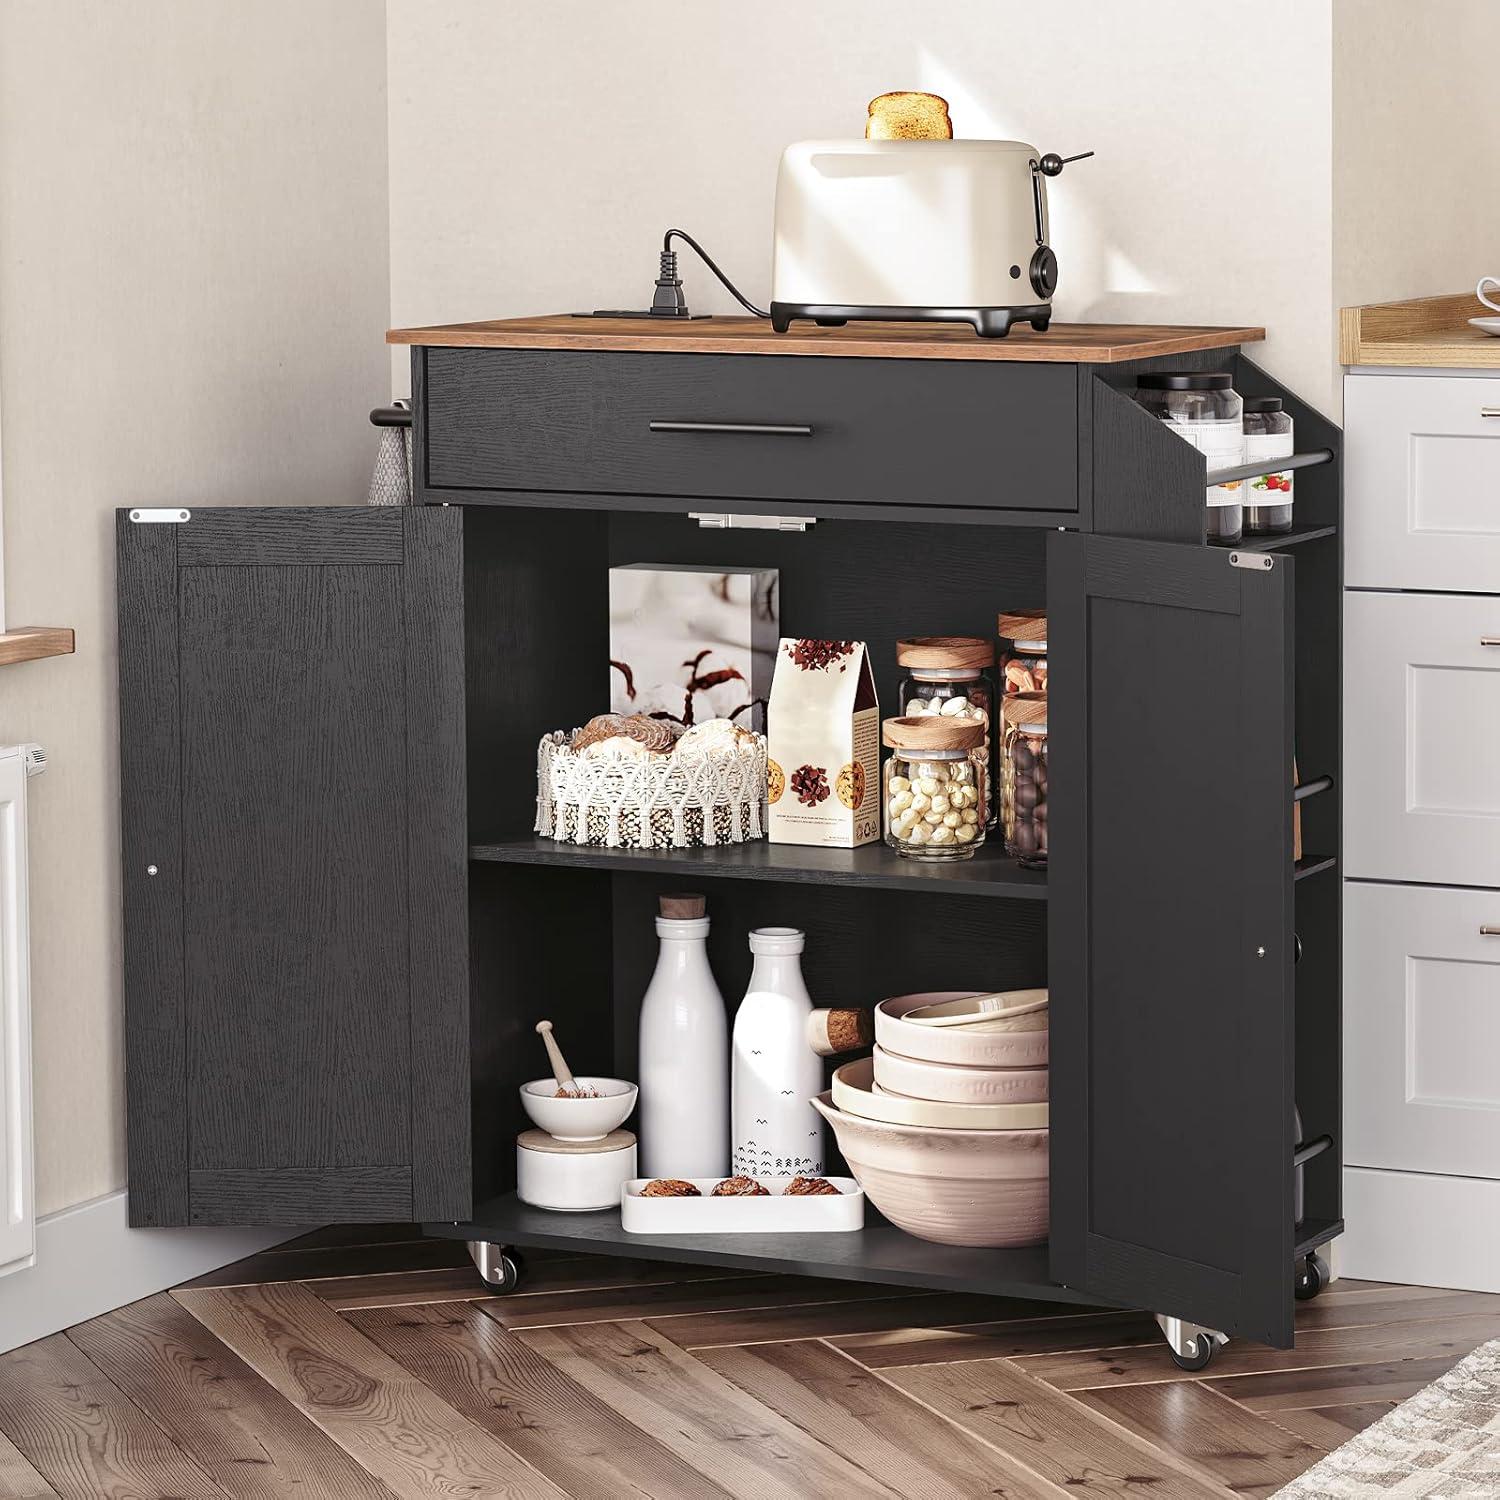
[[1430, 332], [1064, 343]]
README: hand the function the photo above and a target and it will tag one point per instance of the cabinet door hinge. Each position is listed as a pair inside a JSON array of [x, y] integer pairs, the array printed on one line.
[[170, 516], [1261, 562]]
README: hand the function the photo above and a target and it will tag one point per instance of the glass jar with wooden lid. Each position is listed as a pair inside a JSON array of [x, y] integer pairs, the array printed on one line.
[[1023, 652], [935, 785], [1023, 776], [952, 676]]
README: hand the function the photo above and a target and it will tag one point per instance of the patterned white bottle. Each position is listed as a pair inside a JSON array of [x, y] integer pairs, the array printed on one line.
[[776, 1131], [684, 1052]]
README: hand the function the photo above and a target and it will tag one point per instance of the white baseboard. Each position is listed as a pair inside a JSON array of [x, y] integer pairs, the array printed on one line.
[[89, 1261], [1421, 1229]]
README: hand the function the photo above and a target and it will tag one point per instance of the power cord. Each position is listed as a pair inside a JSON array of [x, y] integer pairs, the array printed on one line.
[[669, 301]]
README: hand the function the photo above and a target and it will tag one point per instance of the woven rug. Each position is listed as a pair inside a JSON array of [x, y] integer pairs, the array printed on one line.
[[1444, 1441]]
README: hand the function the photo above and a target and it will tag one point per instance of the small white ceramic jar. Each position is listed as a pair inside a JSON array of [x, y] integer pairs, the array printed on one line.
[[573, 1176]]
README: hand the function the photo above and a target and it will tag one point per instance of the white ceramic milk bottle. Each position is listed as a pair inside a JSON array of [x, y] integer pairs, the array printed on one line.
[[684, 1052], [776, 1131]]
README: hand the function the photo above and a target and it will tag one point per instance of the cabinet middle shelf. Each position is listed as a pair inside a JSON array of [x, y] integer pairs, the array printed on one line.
[[873, 866]]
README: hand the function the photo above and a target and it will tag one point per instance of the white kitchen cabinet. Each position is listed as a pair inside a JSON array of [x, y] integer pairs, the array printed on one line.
[[1423, 453], [1422, 737], [1422, 1040]]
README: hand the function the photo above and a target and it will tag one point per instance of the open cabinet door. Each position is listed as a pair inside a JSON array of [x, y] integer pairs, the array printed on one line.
[[295, 863], [1170, 891]]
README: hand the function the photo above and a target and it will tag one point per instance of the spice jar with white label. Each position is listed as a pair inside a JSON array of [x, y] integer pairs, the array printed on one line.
[[1268, 436], [952, 677], [1023, 777], [935, 785], [1205, 410]]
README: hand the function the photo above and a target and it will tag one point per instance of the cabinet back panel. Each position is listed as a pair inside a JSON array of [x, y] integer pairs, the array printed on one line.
[[536, 602], [292, 680]]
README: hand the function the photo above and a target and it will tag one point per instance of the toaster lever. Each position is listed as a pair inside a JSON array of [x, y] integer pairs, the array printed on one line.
[[1051, 164]]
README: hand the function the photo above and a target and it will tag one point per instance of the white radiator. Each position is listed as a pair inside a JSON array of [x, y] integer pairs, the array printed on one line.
[[17, 1209]]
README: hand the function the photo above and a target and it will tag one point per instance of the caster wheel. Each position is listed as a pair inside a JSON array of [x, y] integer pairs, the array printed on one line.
[[500, 1269], [1205, 1347], [1312, 1277]]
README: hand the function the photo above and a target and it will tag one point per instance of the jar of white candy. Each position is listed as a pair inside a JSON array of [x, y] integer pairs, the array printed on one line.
[[952, 676], [935, 786]]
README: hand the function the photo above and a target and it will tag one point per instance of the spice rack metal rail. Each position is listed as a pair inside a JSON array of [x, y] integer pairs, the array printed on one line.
[[418, 927]]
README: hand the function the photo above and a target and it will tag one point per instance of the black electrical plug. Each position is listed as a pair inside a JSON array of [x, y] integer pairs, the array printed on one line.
[[668, 301]]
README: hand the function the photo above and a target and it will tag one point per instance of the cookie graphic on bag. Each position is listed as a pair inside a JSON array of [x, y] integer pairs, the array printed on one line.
[[775, 782], [850, 785]]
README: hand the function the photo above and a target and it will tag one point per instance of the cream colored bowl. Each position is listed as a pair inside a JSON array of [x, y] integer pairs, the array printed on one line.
[[957, 1187], [948, 1083], [999, 1042], [856, 1093]]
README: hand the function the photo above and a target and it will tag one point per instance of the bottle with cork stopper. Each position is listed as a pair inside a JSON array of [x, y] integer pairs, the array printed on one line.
[[684, 1051]]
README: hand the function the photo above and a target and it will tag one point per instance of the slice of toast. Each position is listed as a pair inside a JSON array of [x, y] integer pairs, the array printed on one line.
[[907, 116]]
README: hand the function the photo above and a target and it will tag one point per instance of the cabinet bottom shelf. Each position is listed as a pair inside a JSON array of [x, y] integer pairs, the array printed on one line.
[[877, 1253]]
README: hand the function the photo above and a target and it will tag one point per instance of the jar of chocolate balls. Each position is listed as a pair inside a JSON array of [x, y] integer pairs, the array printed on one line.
[[952, 677], [1023, 777], [935, 786]]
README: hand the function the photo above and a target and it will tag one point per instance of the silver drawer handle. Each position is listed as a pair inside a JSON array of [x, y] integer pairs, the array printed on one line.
[[1489, 640], [760, 429], [1488, 929], [1489, 411]]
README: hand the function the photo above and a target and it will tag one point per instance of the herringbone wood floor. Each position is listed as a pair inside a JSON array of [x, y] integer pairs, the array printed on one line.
[[362, 1363]]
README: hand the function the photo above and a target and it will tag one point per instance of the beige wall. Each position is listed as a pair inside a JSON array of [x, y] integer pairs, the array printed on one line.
[[537, 154], [1416, 165], [193, 287]]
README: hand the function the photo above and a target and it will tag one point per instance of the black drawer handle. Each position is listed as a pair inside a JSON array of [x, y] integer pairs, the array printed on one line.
[[757, 429]]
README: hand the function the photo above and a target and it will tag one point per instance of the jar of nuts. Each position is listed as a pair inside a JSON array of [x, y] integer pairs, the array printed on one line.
[[1023, 652], [935, 786], [1023, 776], [952, 676]]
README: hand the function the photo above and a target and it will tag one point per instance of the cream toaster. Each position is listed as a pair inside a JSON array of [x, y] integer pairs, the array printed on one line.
[[942, 229]]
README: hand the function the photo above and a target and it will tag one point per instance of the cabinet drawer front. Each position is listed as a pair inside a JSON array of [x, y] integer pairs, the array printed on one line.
[[1421, 723], [1422, 1036], [1423, 480], [703, 426]]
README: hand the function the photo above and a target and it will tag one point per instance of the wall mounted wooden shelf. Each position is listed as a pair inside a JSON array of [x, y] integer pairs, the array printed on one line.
[[32, 642]]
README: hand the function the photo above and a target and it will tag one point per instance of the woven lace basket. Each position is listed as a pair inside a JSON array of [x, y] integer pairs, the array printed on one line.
[[627, 799]]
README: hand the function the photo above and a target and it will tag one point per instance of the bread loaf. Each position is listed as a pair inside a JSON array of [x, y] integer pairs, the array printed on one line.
[[907, 116]]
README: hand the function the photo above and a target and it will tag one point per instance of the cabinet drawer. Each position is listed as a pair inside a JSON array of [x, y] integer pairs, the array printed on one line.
[[908, 432], [1422, 1030], [1423, 481], [1421, 723]]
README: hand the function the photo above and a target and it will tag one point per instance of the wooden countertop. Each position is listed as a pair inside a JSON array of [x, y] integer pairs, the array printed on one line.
[[1063, 343], [1431, 332]]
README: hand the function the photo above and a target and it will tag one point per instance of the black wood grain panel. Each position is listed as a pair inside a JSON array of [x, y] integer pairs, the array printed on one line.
[[295, 919], [539, 948], [151, 835], [301, 1195], [1171, 865], [437, 868], [254, 536], [1147, 482], [896, 431]]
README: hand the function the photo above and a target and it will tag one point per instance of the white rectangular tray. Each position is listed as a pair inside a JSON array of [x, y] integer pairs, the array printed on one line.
[[776, 1214]]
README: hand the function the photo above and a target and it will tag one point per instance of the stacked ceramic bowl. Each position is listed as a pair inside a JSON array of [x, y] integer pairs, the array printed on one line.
[[946, 1125]]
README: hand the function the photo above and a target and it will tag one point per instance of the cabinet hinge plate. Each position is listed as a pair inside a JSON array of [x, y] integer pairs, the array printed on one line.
[[734, 521], [170, 516], [1259, 562]]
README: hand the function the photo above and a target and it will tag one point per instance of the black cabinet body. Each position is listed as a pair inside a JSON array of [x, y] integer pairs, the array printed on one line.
[[329, 721], [295, 953]]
